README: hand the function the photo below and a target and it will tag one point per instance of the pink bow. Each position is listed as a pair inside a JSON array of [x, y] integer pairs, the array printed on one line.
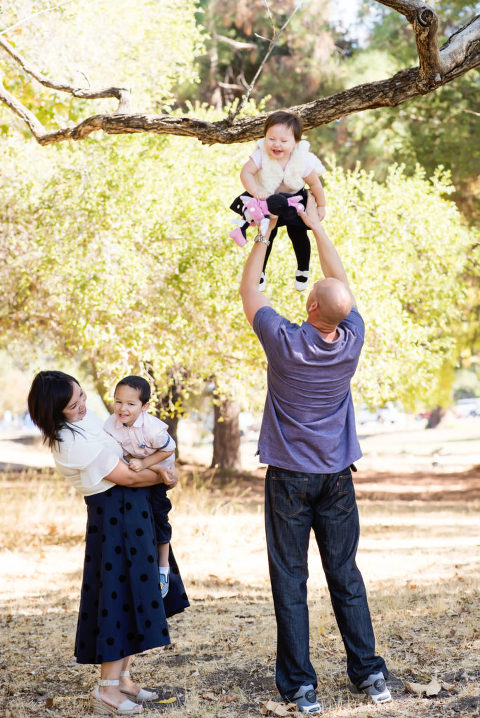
[[296, 202]]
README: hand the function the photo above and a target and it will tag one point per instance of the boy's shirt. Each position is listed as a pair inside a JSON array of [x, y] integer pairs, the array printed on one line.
[[146, 435]]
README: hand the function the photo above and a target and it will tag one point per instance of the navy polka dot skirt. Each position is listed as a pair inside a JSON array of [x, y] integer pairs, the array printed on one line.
[[121, 608]]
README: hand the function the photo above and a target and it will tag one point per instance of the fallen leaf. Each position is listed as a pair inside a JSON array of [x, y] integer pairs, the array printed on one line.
[[272, 708], [430, 689], [49, 703], [208, 696], [229, 698], [451, 687]]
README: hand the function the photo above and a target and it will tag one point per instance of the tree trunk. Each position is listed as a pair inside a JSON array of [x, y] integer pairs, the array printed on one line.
[[435, 417], [226, 435], [172, 399]]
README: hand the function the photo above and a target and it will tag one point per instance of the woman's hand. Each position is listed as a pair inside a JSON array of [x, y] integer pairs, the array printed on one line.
[[123, 475]]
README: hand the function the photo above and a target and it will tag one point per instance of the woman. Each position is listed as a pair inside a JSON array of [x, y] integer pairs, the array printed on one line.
[[121, 609]]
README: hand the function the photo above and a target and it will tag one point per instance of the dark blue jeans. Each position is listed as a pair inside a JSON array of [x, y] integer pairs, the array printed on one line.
[[161, 506], [296, 502]]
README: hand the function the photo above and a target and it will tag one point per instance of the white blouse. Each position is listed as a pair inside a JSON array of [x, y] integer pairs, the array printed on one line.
[[87, 454]]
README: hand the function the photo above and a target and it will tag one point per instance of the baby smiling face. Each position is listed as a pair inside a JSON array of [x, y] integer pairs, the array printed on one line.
[[280, 142]]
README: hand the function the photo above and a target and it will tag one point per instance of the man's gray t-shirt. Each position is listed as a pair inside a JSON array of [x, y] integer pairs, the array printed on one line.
[[308, 422]]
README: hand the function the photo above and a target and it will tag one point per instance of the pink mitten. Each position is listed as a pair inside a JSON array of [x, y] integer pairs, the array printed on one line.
[[238, 238]]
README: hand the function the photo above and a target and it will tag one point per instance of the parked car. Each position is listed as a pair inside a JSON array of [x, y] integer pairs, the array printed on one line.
[[467, 407]]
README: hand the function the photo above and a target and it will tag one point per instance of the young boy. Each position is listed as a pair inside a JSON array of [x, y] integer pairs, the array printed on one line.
[[145, 441]]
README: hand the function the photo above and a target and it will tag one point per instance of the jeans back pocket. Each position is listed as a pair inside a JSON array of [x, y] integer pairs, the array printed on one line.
[[289, 492], [345, 492]]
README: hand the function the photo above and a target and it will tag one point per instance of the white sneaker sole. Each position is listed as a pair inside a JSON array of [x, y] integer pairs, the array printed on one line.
[[384, 697]]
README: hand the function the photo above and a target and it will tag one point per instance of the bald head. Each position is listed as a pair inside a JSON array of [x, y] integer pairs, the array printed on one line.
[[329, 302]]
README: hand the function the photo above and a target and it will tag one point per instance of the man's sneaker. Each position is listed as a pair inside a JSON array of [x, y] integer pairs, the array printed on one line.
[[306, 700], [164, 584], [263, 283], [374, 687]]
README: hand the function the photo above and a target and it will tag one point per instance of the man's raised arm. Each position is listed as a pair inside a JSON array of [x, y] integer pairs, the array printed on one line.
[[252, 298], [330, 261]]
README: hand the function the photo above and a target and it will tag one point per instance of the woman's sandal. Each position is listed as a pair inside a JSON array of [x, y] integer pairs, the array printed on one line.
[[142, 694], [102, 708]]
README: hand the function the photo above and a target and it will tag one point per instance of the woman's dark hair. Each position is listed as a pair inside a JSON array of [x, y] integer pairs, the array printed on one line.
[[49, 395], [281, 117], [138, 383]]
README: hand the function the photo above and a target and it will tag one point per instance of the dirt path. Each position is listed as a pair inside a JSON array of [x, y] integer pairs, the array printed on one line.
[[419, 556]]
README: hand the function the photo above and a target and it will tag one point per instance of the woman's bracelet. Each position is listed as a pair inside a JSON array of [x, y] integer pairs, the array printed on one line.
[[262, 239]]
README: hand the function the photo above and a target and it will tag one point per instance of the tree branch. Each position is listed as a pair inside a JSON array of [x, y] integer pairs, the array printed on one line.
[[425, 26], [120, 93], [460, 54], [35, 14], [273, 42], [236, 44], [36, 127]]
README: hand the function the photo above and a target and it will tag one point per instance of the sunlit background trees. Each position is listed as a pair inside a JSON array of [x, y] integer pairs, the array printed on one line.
[[115, 251]]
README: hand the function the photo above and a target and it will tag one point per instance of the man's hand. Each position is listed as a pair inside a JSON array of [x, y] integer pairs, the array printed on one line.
[[136, 464], [311, 215], [321, 212]]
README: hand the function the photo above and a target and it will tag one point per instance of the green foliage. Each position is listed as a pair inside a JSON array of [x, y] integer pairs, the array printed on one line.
[[146, 46], [435, 129], [299, 67], [117, 255], [405, 247]]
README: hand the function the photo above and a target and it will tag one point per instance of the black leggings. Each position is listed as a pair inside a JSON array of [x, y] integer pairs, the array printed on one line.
[[300, 243]]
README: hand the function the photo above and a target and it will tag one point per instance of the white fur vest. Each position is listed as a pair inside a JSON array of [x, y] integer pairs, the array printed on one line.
[[271, 174]]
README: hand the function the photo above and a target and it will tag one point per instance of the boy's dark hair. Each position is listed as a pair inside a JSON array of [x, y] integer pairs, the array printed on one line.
[[49, 395], [282, 117], [138, 383]]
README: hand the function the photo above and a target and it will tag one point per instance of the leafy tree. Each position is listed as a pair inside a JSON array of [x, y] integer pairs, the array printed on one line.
[[437, 67], [132, 271], [115, 253], [436, 130], [149, 43], [237, 38]]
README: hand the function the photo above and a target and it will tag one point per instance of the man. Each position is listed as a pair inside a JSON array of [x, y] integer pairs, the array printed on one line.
[[308, 439]]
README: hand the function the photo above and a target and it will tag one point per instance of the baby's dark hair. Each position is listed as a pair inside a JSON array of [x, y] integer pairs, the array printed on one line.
[[138, 383], [282, 117]]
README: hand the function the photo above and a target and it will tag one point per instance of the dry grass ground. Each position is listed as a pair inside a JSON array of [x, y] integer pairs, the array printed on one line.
[[419, 556]]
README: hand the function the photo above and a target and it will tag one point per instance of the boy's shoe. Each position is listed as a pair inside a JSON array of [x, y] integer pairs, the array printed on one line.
[[301, 279], [263, 283], [306, 700], [164, 584], [374, 687]]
